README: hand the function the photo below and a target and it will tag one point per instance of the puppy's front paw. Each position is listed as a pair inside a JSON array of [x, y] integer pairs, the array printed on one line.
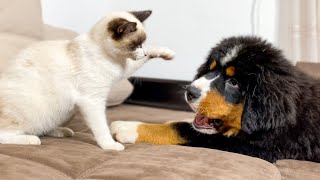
[[32, 140], [125, 131], [163, 53], [112, 146]]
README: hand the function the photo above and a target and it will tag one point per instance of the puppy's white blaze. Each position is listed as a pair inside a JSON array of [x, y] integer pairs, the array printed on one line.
[[203, 83], [125, 131], [230, 55]]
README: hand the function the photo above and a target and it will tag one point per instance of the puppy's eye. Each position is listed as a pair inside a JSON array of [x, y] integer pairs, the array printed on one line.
[[232, 83], [213, 64]]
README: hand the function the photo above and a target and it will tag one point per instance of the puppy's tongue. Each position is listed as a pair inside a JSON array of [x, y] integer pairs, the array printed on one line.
[[202, 121]]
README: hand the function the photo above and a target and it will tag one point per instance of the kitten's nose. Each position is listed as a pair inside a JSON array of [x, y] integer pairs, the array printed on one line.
[[192, 93]]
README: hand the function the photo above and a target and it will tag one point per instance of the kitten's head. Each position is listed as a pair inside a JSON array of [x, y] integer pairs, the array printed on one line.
[[121, 33]]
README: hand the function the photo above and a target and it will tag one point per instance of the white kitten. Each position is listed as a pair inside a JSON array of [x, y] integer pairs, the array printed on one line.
[[48, 80]]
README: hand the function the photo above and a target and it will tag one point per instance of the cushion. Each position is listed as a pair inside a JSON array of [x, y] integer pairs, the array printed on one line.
[[21, 17], [311, 69], [297, 170], [80, 158], [55, 33]]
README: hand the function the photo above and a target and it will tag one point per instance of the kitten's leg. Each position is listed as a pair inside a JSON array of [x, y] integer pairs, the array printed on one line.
[[61, 132], [94, 114], [13, 137]]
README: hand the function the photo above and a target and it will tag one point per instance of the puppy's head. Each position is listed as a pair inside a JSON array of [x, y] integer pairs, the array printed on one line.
[[245, 84], [121, 33]]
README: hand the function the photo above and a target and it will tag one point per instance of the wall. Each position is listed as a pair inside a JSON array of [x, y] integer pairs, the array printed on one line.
[[188, 27]]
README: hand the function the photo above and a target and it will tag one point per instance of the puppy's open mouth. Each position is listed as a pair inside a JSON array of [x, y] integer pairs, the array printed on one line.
[[203, 122]]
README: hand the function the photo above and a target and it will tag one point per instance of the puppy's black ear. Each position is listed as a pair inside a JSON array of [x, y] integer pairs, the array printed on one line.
[[141, 15], [271, 98]]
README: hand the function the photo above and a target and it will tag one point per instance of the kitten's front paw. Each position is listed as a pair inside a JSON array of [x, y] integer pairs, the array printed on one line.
[[112, 146], [125, 131], [164, 53], [139, 53]]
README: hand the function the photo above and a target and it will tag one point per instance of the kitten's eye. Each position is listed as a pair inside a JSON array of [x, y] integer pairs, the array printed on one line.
[[232, 83], [213, 64]]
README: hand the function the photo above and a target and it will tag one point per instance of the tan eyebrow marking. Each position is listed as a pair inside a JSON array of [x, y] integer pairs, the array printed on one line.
[[213, 64], [230, 71]]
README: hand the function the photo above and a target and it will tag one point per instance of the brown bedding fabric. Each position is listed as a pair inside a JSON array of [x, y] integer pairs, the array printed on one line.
[[80, 158], [293, 169]]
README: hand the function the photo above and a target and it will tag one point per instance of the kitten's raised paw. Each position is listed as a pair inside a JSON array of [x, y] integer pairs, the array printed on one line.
[[164, 53], [112, 146], [167, 54], [139, 53], [125, 131]]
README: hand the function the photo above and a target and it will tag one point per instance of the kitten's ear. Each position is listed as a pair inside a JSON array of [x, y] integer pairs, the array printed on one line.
[[141, 15], [126, 27], [120, 27]]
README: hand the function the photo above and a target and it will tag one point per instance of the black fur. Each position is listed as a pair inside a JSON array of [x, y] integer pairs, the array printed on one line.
[[281, 118], [141, 15]]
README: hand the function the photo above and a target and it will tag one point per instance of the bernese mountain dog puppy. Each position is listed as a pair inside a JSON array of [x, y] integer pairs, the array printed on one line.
[[249, 99]]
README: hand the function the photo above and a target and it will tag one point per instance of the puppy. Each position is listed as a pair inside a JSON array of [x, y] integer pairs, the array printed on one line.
[[249, 99]]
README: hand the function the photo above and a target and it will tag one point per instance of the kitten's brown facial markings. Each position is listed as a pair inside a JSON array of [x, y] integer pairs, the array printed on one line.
[[127, 35], [120, 27], [141, 15], [137, 41]]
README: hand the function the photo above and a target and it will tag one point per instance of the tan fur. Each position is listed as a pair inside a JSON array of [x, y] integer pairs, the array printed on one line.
[[230, 71], [158, 134], [214, 106], [213, 65]]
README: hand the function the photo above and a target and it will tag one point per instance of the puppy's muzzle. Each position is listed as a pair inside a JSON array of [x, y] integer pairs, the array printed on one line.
[[192, 93]]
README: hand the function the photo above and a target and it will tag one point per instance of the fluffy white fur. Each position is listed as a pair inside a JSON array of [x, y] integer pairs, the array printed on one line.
[[125, 131], [48, 80]]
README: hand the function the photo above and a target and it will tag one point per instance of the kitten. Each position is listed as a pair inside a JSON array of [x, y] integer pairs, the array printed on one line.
[[48, 80]]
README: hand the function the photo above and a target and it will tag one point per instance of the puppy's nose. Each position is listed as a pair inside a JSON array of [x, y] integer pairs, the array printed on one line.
[[192, 93]]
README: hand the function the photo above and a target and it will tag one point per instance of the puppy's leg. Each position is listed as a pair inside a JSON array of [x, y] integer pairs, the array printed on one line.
[[94, 114], [182, 133], [61, 132], [138, 132], [14, 137]]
